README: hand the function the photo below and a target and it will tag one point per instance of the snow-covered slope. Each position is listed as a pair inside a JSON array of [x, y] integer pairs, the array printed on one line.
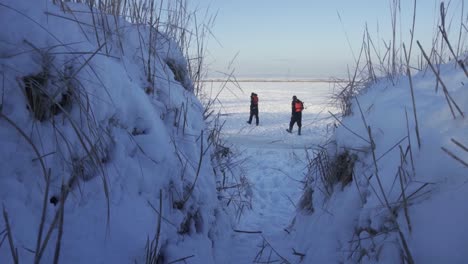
[[371, 220], [81, 111]]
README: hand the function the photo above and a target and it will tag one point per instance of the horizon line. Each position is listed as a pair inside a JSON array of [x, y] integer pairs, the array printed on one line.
[[273, 80]]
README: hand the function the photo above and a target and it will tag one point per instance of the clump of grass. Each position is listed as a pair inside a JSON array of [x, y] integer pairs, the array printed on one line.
[[154, 252], [192, 218], [50, 90], [328, 170], [234, 189], [342, 168], [344, 94], [268, 254], [306, 203]]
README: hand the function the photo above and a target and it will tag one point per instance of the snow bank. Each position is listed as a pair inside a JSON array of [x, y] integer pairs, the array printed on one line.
[[77, 106], [355, 224]]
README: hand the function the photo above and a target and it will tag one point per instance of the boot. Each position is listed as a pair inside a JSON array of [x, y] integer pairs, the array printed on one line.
[[289, 130], [299, 131]]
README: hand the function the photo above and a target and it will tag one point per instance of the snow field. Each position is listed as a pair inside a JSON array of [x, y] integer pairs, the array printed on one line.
[[275, 160]]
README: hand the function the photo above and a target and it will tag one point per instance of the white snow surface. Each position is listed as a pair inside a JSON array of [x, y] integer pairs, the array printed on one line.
[[132, 135], [275, 160], [354, 225], [144, 150]]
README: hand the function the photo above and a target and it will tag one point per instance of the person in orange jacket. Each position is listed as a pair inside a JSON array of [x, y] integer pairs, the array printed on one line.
[[296, 114]]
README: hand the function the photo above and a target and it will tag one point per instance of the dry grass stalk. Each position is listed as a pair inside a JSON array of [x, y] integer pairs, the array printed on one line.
[[445, 37], [13, 249], [96, 32], [459, 144], [29, 140], [448, 97], [4, 236], [409, 143], [152, 250], [408, 72], [180, 204], [267, 251], [43, 214], [78, 22], [394, 8], [408, 256], [181, 259], [454, 156], [412, 34], [354, 133], [405, 201], [57, 221], [376, 168], [3, 92], [61, 213], [246, 232]]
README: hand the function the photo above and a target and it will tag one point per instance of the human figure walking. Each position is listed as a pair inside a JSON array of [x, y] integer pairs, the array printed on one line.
[[253, 108], [296, 114]]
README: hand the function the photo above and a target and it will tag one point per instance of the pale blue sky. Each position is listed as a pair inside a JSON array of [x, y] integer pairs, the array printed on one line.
[[305, 38]]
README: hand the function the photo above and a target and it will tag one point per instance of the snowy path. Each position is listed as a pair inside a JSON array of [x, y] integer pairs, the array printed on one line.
[[274, 171], [275, 165]]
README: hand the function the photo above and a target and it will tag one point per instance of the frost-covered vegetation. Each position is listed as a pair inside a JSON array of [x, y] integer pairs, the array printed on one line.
[[113, 150], [389, 186], [106, 156]]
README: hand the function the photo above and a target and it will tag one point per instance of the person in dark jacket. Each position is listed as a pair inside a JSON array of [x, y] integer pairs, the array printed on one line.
[[296, 114], [253, 108]]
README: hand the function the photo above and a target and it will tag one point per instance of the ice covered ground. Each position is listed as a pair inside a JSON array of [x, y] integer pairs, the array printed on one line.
[[275, 160]]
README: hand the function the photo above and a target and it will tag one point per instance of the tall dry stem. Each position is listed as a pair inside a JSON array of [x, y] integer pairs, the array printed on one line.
[[448, 97], [13, 249], [413, 100]]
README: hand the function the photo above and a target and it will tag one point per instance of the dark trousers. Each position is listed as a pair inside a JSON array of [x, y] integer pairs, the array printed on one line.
[[296, 118], [253, 112]]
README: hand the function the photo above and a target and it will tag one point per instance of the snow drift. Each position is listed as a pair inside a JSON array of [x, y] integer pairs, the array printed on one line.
[[405, 202], [103, 158]]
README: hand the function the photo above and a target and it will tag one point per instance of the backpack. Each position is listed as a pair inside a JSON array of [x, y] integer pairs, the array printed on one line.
[[255, 99], [298, 106]]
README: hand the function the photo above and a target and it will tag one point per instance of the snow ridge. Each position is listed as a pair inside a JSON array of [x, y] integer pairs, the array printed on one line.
[[80, 119]]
